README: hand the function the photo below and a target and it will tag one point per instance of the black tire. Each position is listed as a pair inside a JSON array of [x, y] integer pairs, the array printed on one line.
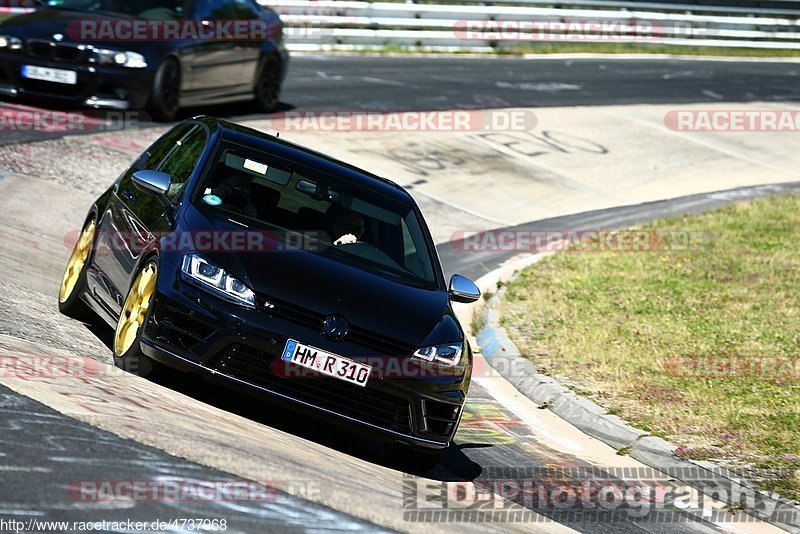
[[268, 86], [73, 306], [133, 360], [413, 458], [165, 95]]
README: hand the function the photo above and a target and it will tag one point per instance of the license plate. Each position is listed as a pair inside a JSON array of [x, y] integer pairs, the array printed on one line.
[[69, 77], [326, 363]]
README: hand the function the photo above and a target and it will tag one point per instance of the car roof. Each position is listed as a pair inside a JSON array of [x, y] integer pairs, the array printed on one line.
[[259, 140]]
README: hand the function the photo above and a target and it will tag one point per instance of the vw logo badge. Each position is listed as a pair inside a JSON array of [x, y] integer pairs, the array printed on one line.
[[335, 327]]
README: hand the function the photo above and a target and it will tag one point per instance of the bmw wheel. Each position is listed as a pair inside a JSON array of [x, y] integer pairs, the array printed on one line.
[[165, 96], [268, 87]]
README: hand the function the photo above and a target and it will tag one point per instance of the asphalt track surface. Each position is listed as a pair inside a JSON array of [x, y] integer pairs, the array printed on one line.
[[386, 84], [42, 451]]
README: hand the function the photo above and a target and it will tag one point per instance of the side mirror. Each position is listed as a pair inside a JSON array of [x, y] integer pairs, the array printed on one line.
[[154, 182], [463, 289]]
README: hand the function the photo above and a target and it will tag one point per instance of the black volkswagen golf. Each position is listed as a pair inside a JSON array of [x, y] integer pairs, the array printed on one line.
[[158, 55], [280, 271]]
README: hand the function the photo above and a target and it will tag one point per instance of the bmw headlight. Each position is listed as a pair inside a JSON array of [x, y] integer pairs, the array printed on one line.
[[10, 43], [447, 353], [200, 271], [119, 58]]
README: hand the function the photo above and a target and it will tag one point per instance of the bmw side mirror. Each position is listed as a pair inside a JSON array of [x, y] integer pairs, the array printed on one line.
[[154, 182], [463, 289]]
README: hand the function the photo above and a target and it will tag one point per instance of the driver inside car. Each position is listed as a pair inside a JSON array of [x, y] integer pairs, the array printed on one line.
[[346, 226], [234, 190]]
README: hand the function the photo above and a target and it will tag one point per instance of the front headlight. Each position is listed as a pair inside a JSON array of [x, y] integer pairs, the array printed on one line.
[[447, 353], [119, 58], [200, 271], [10, 43]]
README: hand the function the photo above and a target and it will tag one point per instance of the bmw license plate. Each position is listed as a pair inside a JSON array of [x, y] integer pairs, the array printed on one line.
[[32, 72], [326, 363]]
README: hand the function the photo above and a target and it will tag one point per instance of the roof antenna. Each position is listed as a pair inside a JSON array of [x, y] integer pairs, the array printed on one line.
[[277, 133]]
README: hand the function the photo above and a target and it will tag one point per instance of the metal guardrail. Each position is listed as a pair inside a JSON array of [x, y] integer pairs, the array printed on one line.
[[469, 25]]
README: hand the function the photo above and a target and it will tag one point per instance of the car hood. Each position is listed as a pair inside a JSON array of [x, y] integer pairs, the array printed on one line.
[[324, 286], [45, 23]]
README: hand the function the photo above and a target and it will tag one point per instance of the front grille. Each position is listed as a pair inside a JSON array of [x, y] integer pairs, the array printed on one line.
[[71, 53], [440, 417], [60, 90], [381, 345], [363, 403], [181, 330]]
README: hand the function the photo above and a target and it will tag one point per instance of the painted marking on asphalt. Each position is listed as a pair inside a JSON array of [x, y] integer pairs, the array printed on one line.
[[324, 76], [545, 87], [37, 513], [381, 81], [24, 469]]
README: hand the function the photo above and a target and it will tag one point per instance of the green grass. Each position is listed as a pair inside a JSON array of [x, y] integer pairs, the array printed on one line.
[[621, 328], [644, 48], [589, 48]]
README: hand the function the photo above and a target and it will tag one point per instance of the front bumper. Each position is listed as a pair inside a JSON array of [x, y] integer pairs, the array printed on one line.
[[194, 331], [97, 86]]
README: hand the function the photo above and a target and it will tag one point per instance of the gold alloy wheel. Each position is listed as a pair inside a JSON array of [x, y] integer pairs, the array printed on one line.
[[134, 311], [76, 262]]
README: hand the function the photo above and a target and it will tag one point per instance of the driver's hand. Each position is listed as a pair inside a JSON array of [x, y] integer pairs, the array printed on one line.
[[346, 239]]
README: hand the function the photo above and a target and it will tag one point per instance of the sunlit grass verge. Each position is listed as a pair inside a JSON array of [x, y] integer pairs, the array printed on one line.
[[633, 330], [545, 48]]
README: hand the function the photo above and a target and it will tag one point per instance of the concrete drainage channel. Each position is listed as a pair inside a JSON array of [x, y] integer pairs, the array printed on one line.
[[592, 419]]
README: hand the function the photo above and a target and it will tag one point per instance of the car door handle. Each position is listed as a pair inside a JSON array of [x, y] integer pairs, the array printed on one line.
[[127, 193]]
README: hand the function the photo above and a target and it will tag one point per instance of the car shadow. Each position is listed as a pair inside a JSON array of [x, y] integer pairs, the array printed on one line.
[[136, 118], [454, 465], [237, 111]]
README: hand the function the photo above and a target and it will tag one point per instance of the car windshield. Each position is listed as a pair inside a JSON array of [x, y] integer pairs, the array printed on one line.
[[143, 9], [341, 221]]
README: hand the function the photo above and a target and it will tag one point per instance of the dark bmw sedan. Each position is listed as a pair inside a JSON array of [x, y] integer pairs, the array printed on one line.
[[158, 55], [281, 272]]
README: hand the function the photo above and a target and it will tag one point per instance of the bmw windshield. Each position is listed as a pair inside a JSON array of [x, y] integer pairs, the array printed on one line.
[[346, 223], [152, 9]]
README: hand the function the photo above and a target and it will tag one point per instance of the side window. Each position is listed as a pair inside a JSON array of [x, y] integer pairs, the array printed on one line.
[[182, 160], [213, 9], [154, 155], [244, 10]]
